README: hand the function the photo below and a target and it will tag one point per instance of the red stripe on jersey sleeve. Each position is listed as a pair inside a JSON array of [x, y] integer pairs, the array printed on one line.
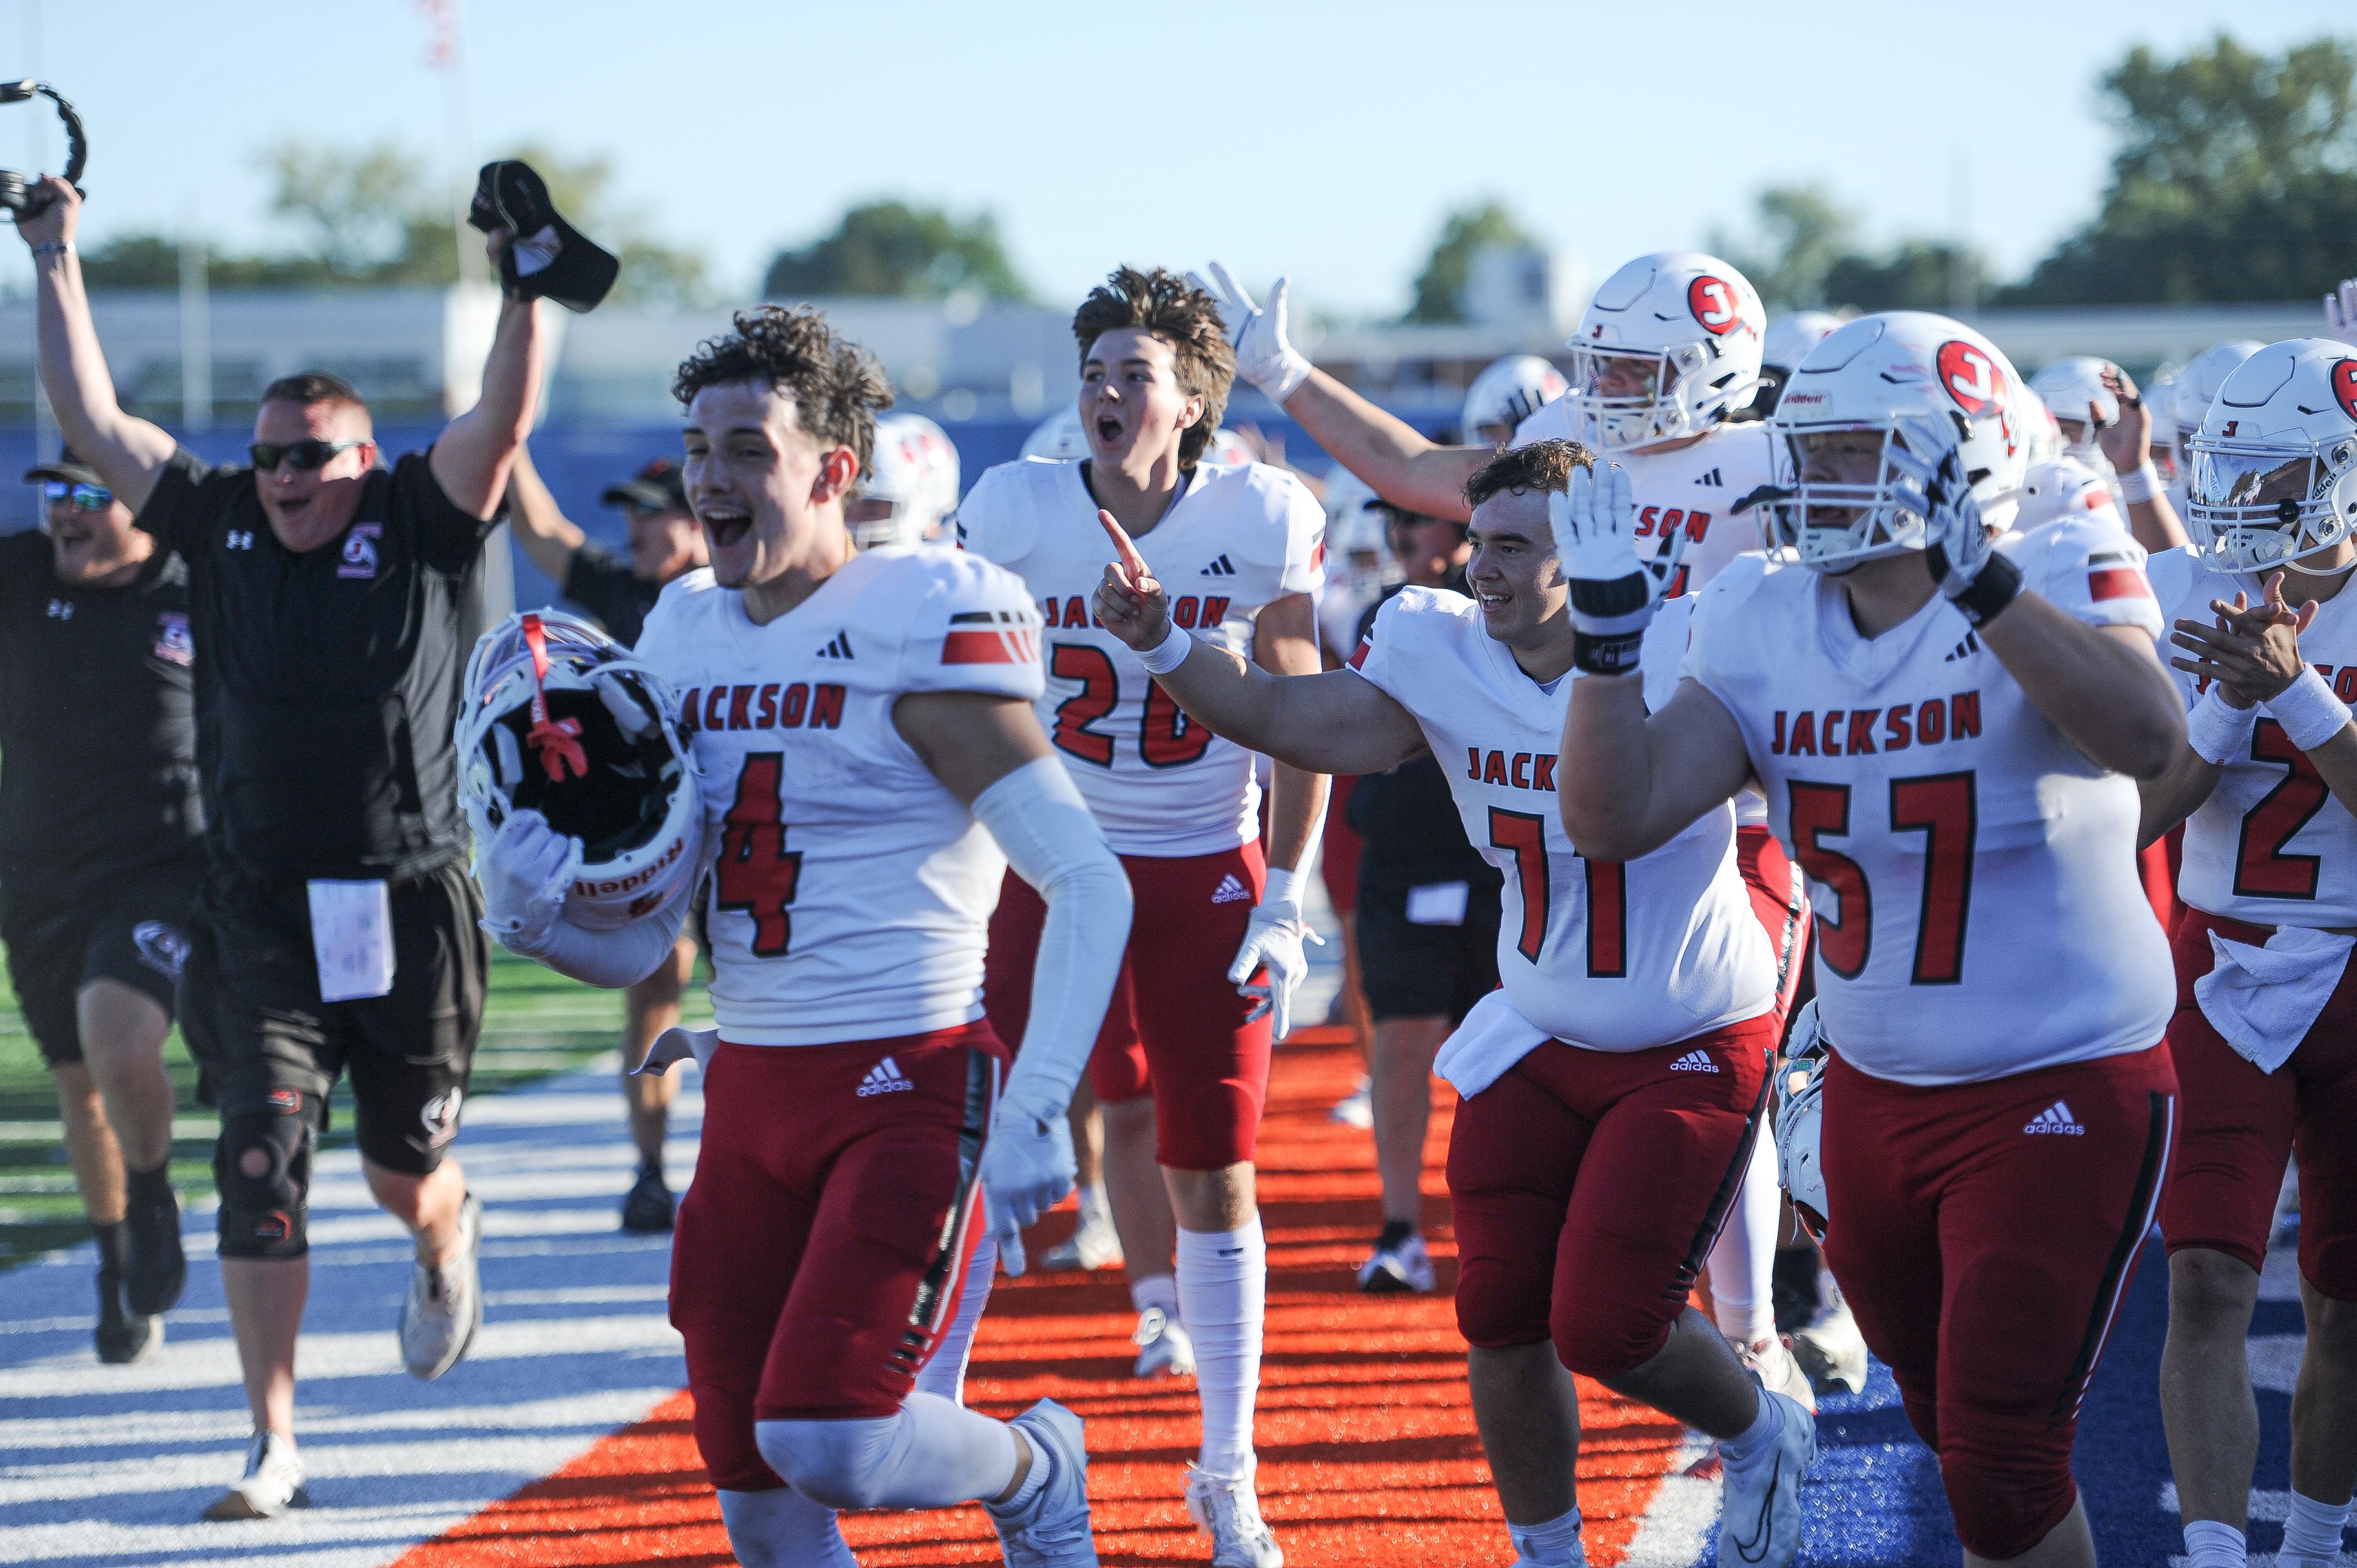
[[2118, 583], [1366, 645], [990, 647]]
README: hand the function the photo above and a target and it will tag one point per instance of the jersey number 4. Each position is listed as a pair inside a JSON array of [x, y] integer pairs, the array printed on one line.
[[757, 873], [1943, 809], [2262, 870], [1166, 739], [1523, 835]]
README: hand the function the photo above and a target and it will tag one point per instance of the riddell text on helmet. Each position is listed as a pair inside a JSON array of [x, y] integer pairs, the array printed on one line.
[[600, 887]]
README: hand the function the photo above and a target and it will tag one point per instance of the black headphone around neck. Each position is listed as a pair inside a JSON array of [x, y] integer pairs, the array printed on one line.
[[15, 193]]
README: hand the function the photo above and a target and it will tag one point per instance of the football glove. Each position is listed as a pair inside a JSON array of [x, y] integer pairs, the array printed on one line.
[[2341, 313], [1957, 548], [1026, 1169], [1265, 356], [526, 868], [1800, 1108], [1272, 943], [1614, 590]]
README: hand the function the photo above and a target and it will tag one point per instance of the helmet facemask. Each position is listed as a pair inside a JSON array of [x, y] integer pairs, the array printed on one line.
[[620, 800], [2258, 506], [1635, 397], [1844, 506]]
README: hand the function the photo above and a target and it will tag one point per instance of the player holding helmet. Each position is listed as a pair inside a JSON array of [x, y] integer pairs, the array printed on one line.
[[863, 729], [2265, 1036], [1624, 1066], [1942, 721], [1208, 984]]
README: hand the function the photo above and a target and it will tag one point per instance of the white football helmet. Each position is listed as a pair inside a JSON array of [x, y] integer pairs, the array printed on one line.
[[2273, 474], [1799, 1117], [1505, 393], [2042, 438], [1669, 347], [1060, 438], [1841, 411], [562, 720], [1787, 343], [1358, 564], [2062, 487], [1228, 449], [914, 468], [2197, 388], [2070, 387]]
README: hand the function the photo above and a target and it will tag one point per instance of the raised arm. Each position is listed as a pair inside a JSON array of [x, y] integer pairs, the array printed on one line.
[[1326, 723], [473, 460], [2127, 443], [1381, 448], [2101, 686], [1285, 642], [549, 537], [128, 453], [1628, 783]]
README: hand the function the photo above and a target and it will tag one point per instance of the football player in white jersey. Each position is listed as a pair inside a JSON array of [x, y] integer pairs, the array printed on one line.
[[1182, 1065], [2265, 1036], [2107, 427], [1623, 1069], [1667, 354], [869, 767], [1948, 730]]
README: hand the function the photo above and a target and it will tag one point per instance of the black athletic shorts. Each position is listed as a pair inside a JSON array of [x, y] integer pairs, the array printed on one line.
[[1410, 970], [251, 1011], [137, 935]]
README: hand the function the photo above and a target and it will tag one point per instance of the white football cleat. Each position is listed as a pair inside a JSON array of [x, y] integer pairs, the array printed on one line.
[[1358, 1108], [1832, 1351], [272, 1482], [1760, 1505], [1405, 1265], [445, 1305], [1165, 1349], [1227, 1510], [1052, 1530], [1774, 1365]]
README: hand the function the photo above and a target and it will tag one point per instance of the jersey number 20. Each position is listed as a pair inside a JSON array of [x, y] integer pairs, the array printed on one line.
[[1166, 739], [757, 873]]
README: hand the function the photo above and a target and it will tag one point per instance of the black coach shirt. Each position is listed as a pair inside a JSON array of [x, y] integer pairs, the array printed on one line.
[[1407, 817], [98, 751], [604, 584], [328, 682]]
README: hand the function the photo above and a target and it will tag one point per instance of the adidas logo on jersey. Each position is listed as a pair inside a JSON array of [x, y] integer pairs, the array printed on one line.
[[838, 648], [1711, 479], [1693, 1061], [1231, 891], [884, 1077], [1222, 567], [2056, 1120], [1965, 650]]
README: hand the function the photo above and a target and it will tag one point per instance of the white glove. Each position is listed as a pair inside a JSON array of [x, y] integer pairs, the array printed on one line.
[[1026, 1169], [1614, 590], [2341, 313], [1957, 548], [1273, 942], [1265, 356], [526, 869]]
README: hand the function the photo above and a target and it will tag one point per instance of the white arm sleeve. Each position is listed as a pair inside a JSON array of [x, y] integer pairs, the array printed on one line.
[[1053, 842], [609, 958]]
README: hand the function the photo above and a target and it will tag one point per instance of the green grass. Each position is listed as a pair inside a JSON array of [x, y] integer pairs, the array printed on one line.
[[535, 1023]]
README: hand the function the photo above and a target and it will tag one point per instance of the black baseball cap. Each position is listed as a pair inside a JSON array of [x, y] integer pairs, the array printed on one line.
[[657, 486], [68, 469]]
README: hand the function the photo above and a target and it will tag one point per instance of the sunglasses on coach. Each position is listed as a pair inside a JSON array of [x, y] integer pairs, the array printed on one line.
[[307, 456], [85, 497]]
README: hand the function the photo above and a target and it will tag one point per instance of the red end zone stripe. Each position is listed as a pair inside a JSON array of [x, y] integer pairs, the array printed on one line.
[[2118, 583]]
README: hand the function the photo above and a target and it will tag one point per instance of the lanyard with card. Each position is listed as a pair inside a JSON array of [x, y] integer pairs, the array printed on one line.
[[1439, 903], [351, 933]]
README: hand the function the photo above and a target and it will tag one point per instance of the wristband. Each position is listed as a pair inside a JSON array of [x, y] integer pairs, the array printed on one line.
[[1168, 654], [2218, 731], [54, 248], [1992, 587], [2141, 484], [1279, 888], [1605, 653], [2311, 715]]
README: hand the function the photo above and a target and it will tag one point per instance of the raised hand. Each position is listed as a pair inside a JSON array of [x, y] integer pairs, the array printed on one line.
[[2341, 313], [1129, 602], [2251, 651], [1614, 591], [1265, 354], [2126, 442]]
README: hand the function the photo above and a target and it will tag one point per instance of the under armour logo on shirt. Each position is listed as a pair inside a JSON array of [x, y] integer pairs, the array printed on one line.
[[240, 539], [61, 609]]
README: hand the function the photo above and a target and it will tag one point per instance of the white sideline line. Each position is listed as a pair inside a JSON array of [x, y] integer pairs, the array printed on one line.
[[1677, 1523]]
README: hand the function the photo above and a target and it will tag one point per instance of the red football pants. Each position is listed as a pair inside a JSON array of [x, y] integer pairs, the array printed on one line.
[[2241, 1123], [1985, 1234], [822, 1247], [1779, 898]]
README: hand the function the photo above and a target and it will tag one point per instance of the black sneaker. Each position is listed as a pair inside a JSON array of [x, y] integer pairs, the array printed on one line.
[[123, 1336], [650, 1206], [156, 1269]]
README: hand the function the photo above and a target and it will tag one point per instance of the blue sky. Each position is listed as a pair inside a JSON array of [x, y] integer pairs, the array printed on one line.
[[1324, 139]]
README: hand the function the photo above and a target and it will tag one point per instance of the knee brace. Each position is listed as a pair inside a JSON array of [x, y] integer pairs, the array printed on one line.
[[262, 1168]]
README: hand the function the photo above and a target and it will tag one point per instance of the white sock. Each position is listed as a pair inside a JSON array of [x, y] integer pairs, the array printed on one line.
[[1157, 1290], [783, 1529], [1223, 1296], [1035, 1481], [945, 1374], [1554, 1544], [2314, 1527], [1753, 1442], [1096, 1208], [932, 1454], [2213, 1543], [1743, 1259]]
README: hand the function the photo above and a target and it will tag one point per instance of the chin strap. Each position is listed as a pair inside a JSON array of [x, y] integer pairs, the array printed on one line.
[[558, 741]]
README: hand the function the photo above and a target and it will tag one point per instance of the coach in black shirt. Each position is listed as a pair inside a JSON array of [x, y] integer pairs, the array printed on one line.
[[101, 852], [332, 605]]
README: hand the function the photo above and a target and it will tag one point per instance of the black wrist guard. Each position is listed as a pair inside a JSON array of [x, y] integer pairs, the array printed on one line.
[[1610, 654], [1998, 581]]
